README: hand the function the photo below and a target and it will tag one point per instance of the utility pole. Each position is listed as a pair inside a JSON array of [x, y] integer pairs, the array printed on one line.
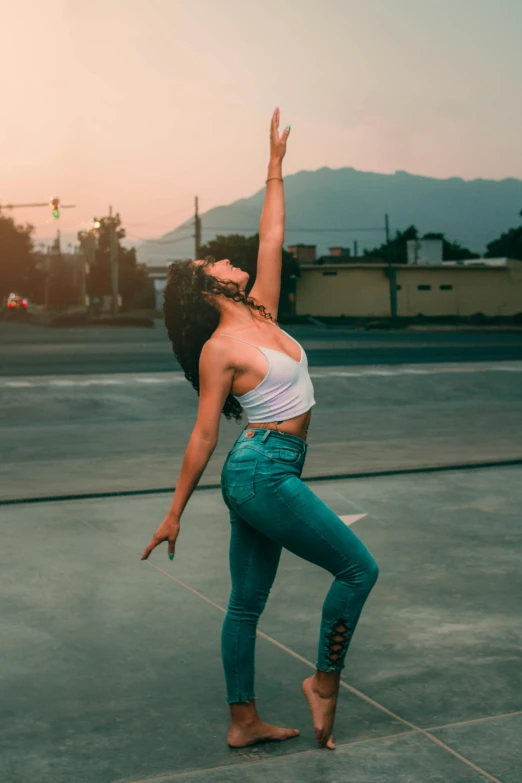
[[53, 257], [355, 248], [88, 251], [197, 234], [89, 260], [113, 249], [84, 271], [47, 276], [391, 271]]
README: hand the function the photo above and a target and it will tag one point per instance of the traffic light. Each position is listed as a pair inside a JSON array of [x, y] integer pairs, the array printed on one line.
[[55, 203]]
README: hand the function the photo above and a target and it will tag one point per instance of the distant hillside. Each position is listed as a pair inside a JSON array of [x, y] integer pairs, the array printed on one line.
[[470, 212]]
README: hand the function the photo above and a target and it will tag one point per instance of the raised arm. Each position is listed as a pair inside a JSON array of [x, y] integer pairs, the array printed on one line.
[[272, 223], [267, 287]]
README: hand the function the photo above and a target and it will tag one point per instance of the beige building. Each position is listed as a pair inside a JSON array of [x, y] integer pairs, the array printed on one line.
[[488, 286]]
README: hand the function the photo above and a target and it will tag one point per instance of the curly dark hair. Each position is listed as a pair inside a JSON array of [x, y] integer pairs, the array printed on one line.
[[191, 318]]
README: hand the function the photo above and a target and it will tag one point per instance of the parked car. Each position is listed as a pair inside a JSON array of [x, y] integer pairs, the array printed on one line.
[[16, 302]]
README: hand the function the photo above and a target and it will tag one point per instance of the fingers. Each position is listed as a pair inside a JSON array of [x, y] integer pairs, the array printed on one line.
[[274, 125], [274, 132], [147, 552], [155, 540], [154, 543]]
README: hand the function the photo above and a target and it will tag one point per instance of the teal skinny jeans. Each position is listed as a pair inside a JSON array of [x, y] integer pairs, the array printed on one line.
[[271, 508]]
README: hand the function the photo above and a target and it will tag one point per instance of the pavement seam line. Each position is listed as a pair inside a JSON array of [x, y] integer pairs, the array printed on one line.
[[308, 663], [17, 381], [474, 720], [329, 477], [240, 764]]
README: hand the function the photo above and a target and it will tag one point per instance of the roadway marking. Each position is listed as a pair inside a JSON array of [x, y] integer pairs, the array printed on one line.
[[350, 519], [152, 380], [179, 377], [67, 382]]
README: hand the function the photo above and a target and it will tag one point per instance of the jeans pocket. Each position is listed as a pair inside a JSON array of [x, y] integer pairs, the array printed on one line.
[[288, 455], [240, 481]]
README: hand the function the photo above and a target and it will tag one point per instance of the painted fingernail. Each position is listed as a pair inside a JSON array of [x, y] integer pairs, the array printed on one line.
[[171, 556], [288, 127]]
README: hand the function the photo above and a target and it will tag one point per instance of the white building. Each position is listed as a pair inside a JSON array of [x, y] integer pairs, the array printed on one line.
[[424, 251]]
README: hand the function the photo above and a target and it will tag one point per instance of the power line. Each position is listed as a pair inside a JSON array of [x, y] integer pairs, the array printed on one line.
[[293, 230], [248, 214], [152, 225], [161, 241], [224, 228], [253, 230]]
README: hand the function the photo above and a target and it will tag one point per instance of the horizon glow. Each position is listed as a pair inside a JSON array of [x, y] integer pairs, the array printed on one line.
[[143, 108]]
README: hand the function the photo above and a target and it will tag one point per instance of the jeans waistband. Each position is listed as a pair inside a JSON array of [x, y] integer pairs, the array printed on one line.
[[261, 436]]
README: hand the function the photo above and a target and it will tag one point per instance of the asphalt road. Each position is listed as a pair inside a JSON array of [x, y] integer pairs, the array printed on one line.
[[77, 434], [107, 410], [30, 350]]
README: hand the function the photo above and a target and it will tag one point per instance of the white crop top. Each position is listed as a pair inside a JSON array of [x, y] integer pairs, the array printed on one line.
[[285, 391]]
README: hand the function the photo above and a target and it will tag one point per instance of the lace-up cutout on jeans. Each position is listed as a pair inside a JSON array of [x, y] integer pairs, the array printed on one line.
[[338, 639]]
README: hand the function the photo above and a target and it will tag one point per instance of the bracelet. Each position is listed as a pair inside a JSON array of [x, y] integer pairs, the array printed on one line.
[[269, 178]]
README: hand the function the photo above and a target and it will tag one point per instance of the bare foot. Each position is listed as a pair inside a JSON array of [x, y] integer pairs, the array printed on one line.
[[322, 706], [241, 736]]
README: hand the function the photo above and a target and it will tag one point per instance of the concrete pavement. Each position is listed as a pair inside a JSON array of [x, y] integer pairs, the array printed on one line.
[[111, 669]]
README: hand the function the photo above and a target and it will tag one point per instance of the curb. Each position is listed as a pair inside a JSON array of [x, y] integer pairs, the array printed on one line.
[[332, 477]]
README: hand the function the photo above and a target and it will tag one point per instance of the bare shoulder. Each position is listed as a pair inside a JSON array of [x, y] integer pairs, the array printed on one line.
[[216, 376], [218, 353]]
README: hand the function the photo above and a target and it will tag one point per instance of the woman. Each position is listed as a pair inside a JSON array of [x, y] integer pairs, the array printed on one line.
[[235, 355]]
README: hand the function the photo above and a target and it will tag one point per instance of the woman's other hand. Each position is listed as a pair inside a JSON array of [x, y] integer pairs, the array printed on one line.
[[167, 531], [277, 143]]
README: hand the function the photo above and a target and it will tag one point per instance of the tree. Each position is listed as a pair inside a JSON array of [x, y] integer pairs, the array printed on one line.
[[508, 245], [135, 287], [242, 252], [18, 263], [396, 251], [398, 248], [62, 290]]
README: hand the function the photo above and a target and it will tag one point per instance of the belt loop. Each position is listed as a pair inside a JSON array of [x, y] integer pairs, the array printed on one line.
[[265, 436]]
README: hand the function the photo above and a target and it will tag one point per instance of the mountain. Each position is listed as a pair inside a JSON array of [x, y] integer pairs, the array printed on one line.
[[322, 205]]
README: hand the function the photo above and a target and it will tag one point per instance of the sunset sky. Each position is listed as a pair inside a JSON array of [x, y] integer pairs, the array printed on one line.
[[142, 105]]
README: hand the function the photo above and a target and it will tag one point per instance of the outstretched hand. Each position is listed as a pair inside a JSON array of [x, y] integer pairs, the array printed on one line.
[[167, 531], [277, 143]]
